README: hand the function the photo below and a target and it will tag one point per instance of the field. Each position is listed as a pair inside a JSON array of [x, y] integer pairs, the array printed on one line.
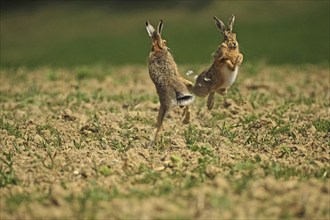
[[78, 111], [75, 144]]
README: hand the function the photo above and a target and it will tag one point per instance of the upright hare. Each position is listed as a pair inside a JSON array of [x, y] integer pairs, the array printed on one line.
[[171, 87], [223, 71]]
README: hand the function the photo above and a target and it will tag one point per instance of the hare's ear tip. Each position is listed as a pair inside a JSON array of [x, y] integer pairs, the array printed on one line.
[[215, 17], [147, 23]]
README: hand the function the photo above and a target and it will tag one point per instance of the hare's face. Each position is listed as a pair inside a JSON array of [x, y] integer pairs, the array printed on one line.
[[230, 40], [158, 43]]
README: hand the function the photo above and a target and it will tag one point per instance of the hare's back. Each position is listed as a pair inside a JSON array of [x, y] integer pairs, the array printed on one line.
[[162, 72]]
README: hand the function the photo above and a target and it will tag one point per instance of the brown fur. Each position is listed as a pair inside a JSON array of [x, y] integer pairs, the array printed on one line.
[[171, 87], [214, 79]]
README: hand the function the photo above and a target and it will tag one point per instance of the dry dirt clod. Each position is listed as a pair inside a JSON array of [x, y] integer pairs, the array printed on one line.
[[68, 115]]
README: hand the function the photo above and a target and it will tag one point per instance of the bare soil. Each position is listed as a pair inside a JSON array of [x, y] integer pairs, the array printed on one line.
[[75, 144]]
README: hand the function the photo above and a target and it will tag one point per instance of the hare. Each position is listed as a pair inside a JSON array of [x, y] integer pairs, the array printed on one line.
[[171, 87], [223, 71]]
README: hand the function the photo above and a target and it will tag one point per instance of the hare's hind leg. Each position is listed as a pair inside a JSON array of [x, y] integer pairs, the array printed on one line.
[[210, 101], [161, 114], [186, 114]]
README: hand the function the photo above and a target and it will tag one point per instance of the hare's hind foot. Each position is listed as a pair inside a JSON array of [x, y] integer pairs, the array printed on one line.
[[186, 114], [222, 91], [210, 101], [155, 139]]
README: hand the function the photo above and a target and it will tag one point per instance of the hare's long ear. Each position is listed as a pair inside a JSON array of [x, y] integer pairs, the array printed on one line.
[[231, 23], [220, 24], [150, 29], [160, 27]]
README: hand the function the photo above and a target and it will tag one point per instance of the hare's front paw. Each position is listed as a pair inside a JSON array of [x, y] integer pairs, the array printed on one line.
[[223, 45], [189, 85], [239, 59]]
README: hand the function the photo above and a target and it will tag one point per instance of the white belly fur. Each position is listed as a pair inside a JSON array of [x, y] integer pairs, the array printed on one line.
[[229, 76]]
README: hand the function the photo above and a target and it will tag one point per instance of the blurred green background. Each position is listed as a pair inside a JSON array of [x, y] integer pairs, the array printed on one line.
[[70, 33]]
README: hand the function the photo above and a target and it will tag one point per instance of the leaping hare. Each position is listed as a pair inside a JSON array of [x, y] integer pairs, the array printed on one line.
[[223, 71], [171, 87]]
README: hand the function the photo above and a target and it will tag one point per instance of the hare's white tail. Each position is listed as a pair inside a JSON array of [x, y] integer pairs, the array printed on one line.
[[184, 99]]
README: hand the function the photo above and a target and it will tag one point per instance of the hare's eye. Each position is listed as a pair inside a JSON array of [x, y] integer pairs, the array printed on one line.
[[164, 41]]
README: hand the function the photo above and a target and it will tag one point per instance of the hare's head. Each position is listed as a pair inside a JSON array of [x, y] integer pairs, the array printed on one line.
[[229, 36], [157, 42]]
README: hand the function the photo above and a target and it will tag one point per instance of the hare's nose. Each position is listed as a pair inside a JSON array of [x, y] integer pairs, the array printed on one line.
[[234, 44]]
